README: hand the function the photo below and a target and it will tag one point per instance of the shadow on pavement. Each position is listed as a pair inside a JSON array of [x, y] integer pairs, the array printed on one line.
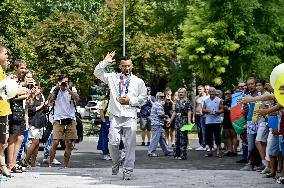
[[195, 161]]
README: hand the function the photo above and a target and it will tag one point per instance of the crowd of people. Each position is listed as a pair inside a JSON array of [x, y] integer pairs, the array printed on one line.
[[23, 117], [162, 119], [261, 139]]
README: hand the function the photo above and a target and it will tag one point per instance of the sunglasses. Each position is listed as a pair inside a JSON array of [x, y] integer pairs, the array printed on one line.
[[162, 96], [227, 93]]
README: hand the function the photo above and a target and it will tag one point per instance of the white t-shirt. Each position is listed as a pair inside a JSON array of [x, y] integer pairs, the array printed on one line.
[[64, 105]]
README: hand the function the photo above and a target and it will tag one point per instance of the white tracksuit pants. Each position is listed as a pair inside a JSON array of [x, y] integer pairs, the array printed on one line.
[[127, 127]]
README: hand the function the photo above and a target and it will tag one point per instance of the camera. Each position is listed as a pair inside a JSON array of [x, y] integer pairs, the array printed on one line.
[[30, 86], [63, 84]]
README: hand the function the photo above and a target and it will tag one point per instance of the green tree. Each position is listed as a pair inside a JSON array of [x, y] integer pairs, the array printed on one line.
[[15, 20], [61, 45], [150, 52], [87, 8], [229, 40]]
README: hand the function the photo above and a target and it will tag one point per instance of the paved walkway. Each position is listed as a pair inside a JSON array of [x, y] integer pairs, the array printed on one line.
[[87, 169]]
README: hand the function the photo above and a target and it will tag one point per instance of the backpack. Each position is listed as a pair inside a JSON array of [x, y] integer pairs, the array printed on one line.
[[79, 125]]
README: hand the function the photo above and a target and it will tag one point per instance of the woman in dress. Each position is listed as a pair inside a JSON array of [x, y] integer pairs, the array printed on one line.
[[182, 115], [169, 108]]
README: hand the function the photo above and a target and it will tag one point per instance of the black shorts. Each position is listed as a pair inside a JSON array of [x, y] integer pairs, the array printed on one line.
[[213, 130], [227, 124], [17, 127], [3, 129]]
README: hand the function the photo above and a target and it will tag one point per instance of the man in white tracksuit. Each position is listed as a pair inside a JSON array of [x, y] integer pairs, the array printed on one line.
[[127, 92]]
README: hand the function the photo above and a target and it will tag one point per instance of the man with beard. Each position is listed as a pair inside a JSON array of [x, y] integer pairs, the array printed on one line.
[[157, 121], [127, 92]]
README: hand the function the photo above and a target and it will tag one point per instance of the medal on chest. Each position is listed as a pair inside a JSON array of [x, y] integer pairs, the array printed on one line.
[[123, 86]]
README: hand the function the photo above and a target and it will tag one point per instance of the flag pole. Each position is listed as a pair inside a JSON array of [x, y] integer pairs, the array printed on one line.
[[124, 10]]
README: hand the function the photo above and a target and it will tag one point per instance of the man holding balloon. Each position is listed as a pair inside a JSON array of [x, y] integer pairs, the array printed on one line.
[[8, 89], [277, 83], [4, 112]]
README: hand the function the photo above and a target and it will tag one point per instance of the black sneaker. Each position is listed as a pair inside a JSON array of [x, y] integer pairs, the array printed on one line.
[[143, 144], [16, 170], [127, 174], [115, 169], [242, 161], [148, 143]]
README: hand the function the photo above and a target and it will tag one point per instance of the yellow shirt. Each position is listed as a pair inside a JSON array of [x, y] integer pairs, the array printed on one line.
[[104, 106], [4, 104]]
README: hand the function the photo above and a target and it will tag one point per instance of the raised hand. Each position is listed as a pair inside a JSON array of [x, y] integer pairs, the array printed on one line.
[[109, 56]]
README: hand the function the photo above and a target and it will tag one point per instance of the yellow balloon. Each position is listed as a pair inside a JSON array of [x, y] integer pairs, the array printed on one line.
[[276, 72], [279, 94]]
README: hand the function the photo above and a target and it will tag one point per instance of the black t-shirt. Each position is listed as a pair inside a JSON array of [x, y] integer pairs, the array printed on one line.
[[227, 118], [168, 108], [36, 118]]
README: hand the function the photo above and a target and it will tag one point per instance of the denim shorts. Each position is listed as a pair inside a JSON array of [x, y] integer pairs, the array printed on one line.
[[273, 145], [262, 132], [281, 142], [251, 141], [145, 123]]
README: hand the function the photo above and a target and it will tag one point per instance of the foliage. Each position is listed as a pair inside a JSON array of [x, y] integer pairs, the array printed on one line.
[[61, 44], [169, 41], [170, 14], [87, 8], [228, 40], [151, 53], [15, 20]]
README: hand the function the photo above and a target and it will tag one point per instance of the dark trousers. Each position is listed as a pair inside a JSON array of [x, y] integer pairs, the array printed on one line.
[[201, 138], [181, 144], [213, 130]]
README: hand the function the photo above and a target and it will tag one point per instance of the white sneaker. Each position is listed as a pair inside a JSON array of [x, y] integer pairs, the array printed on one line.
[[208, 149], [56, 162], [200, 148], [107, 157], [122, 155], [45, 161]]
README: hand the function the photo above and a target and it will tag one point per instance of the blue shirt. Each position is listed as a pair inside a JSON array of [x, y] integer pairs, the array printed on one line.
[[146, 108], [156, 111]]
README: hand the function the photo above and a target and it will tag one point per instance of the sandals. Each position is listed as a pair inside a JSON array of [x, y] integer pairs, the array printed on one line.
[[5, 171], [209, 155], [219, 155], [265, 171], [269, 175]]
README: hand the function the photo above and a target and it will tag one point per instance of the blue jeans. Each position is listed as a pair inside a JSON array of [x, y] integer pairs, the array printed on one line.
[[48, 145], [245, 152], [23, 146], [158, 136], [203, 130], [251, 142]]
